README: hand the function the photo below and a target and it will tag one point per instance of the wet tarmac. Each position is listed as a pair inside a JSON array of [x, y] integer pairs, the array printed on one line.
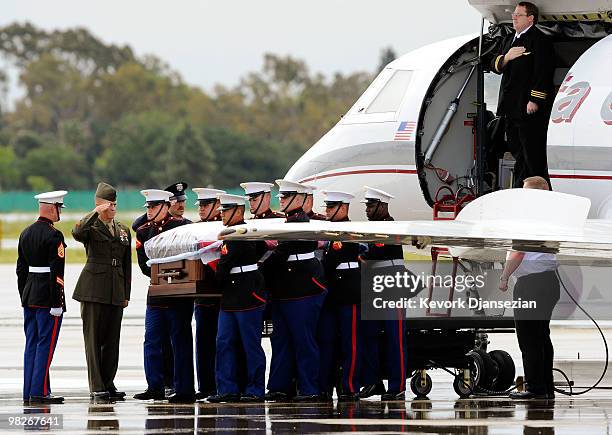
[[444, 413]]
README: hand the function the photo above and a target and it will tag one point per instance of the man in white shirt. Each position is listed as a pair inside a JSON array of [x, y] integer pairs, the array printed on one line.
[[536, 281]]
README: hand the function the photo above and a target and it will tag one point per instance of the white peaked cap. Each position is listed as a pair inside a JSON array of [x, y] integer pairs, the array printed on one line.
[[55, 197], [156, 195], [286, 186], [253, 187], [337, 196], [376, 194], [229, 201], [309, 188], [204, 193]]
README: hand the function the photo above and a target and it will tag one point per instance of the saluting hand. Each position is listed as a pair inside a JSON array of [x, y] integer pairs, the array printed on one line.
[[513, 53], [102, 207]]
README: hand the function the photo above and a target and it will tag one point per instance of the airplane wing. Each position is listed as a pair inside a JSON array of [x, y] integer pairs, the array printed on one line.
[[519, 219]]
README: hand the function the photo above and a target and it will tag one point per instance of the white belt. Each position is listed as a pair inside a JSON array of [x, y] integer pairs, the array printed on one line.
[[349, 265], [43, 269], [247, 268], [388, 263], [306, 256]]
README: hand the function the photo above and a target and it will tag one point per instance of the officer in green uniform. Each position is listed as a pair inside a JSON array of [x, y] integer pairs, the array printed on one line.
[[103, 290]]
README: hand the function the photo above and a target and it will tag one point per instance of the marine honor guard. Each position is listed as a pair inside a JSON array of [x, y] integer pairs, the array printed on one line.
[[342, 313], [383, 259], [297, 293], [206, 310], [40, 280], [242, 306], [259, 196], [309, 203], [103, 289], [164, 315]]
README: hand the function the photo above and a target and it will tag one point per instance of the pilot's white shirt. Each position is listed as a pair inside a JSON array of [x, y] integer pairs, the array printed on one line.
[[536, 262]]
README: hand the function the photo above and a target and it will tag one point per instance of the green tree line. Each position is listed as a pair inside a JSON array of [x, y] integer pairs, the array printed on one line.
[[92, 110]]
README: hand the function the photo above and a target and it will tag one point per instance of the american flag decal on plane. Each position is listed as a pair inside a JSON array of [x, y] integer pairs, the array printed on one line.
[[405, 130]]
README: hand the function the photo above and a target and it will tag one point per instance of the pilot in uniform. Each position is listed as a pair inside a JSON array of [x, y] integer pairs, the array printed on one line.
[[40, 280], [103, 290], [206, 310], [259, 195], [526, 61], [164, 315], [341, 315], [383, 259], [241, 315], [297, 294]]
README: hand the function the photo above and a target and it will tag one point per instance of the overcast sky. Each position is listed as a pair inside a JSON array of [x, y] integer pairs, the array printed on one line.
[[219, 41]]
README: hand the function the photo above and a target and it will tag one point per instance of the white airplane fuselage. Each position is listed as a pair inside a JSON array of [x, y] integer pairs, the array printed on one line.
[[378, 140]]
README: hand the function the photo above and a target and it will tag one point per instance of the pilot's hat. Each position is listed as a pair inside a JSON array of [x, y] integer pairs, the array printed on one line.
[[333, 197], [254, 188], [286, 188], [178, 191], [371, 195], [230, 201], [56, 197], [155, 196], [206, 195]]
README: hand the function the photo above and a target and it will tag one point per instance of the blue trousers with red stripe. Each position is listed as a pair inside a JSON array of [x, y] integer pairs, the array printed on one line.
[[41, 331], [236, 328], [395, 352], [295, 352], [349, 323], [175, 319]]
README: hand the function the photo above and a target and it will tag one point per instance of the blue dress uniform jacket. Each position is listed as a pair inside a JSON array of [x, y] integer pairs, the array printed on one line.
[[527, 78], [344, 284], [294, 279], [41, 246]]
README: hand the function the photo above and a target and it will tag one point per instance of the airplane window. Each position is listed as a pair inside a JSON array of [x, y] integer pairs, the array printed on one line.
[[492, 82], [391, 95]]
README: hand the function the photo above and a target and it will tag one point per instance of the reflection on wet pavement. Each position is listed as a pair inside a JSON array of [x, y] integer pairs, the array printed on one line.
[[469, 416]]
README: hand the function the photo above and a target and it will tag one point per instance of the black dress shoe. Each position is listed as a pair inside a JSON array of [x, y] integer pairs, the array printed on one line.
[[224, 398], [251, 398], [527, 395], [100, 395], [181, 398], [116, 395], [392, 396], [277, 396], [372, 390], [348, 398], [150, 395], [307, 398], [201, 395], [49, 398]]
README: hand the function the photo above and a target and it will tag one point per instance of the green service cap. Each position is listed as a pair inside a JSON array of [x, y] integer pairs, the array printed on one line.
[[106, 191]]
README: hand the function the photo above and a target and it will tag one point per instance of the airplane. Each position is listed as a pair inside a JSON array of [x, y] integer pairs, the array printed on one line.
[[421, 132]]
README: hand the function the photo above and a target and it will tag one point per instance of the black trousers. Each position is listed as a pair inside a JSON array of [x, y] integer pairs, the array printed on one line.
[[532, 328], [527, 143]]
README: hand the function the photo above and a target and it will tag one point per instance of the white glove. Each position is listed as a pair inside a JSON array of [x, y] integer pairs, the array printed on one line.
[[56, 311]]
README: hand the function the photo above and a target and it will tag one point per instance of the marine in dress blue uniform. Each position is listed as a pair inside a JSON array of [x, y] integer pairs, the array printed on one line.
[[40, 280], [164, 314], [309, 203], [341, 314], [241, 314], [386, 259], [206, 310], [297, 292]]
